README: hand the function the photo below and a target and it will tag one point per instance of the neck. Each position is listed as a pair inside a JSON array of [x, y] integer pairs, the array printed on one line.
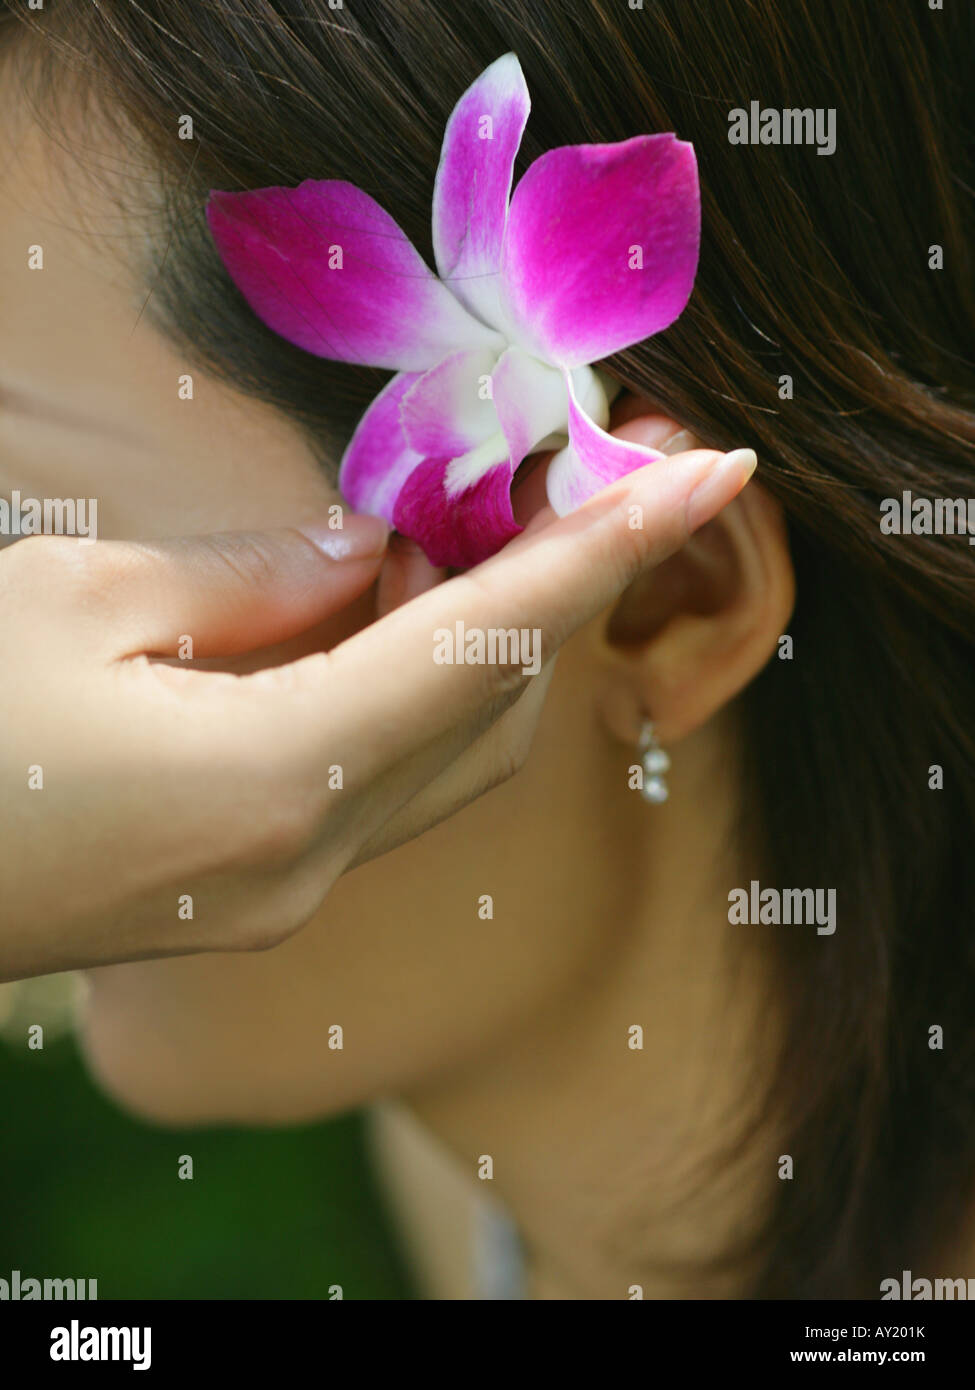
[[606, 1153]]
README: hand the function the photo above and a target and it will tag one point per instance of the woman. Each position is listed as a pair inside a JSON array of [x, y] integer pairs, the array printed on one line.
[[597, 1006]]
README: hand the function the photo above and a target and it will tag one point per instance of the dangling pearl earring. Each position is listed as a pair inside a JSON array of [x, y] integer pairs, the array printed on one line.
[[655, 763]]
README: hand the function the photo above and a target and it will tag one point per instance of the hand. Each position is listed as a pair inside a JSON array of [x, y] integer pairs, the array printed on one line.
[[154, 808]]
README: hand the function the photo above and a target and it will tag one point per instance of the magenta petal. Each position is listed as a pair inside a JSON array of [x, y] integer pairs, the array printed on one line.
[[470, 197], [592, 460], [450, 409], [323, 265], [601, 246], [457, 529], [379, 458]]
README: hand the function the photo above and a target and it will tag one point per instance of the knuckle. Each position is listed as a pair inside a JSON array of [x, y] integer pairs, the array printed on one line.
[[291, 905], [504, 765], [261, 926], [635, 549], [284, 835], [508, 681], [508, 758], [248, 557], [631, 554], [281, 824], [502, 693], [521, 747], [268, 929]]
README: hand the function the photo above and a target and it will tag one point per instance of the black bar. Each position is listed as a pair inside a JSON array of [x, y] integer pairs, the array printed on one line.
[[259, 1336]]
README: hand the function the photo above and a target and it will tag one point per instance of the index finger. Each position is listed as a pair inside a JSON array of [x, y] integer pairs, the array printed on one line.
[[390, 679]]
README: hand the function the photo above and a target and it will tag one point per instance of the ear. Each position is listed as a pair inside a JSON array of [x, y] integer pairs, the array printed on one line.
[[688, 636]]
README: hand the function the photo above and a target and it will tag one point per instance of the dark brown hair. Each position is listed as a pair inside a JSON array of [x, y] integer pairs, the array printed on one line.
[[815, 267]]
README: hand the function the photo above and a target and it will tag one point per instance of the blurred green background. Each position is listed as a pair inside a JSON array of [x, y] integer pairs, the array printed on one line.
[[88, 1192]]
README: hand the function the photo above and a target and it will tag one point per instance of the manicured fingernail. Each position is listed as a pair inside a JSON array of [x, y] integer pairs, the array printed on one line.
[[720, 485], [678, 443], [360, 537]]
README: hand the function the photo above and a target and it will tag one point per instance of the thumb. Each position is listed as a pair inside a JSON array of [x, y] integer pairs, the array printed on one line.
[[235, 591]]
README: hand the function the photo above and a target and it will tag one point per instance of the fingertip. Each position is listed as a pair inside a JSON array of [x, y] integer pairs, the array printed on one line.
[[357, 537], [406, 573]]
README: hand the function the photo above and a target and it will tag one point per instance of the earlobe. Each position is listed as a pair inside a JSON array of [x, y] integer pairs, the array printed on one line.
[[686, 638]]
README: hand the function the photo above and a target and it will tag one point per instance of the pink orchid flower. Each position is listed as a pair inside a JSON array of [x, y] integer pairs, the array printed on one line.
[[594, 251]]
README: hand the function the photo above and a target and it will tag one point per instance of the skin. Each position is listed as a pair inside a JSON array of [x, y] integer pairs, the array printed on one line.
[[505, 1036]]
